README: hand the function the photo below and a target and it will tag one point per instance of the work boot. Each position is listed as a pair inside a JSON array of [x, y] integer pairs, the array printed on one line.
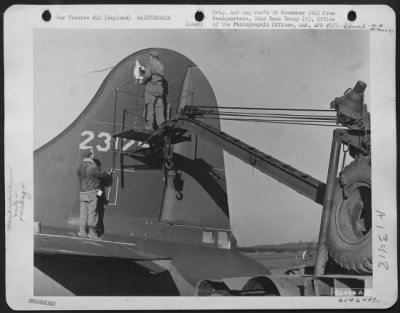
[[93, 234], [82, 232]]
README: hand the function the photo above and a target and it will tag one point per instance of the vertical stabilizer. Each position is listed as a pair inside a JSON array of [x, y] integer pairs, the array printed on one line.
[[195, 192]]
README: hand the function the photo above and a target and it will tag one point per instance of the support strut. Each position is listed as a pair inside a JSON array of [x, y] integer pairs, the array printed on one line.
[[322, 252]]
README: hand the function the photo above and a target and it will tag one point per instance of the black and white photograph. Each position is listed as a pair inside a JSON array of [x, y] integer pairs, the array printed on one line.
[[215, 162]]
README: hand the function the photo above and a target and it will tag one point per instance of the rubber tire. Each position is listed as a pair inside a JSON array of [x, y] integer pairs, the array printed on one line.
[[348, 252]]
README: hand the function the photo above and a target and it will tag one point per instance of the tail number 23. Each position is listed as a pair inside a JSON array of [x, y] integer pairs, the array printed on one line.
[[104, 140]]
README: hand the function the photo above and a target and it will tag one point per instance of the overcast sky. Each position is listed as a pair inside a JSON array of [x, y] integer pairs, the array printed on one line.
[[279, 68]]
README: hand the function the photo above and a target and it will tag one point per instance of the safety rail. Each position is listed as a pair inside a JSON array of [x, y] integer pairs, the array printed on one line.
[[129, 110]]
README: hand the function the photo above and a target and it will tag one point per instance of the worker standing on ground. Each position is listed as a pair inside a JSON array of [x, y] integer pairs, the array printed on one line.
[[89, 178], [155, 92], [101, 200]]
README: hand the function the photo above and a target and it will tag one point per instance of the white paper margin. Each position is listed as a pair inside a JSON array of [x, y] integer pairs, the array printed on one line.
[[19, 22]]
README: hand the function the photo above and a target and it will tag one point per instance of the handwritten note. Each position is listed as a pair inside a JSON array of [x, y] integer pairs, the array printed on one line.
[[17, 195], [383, 238]]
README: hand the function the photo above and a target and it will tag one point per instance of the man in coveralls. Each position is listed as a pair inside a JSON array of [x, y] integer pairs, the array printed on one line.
[[155, 92], [89, 177], [102, 200]]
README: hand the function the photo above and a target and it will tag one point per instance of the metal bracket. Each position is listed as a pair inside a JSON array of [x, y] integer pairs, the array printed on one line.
[[354, 138]]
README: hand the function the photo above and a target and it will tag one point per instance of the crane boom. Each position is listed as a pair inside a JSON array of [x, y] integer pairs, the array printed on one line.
[[301, 182]]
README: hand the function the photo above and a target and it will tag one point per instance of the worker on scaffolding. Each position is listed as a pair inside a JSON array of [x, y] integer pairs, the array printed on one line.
[[155, 92]]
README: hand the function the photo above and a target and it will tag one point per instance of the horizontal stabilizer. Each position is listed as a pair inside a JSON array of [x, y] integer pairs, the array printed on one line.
[[59, 244]]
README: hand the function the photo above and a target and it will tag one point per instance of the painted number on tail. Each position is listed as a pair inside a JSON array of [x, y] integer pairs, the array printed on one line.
[[103, 141], [107, 142], [89, 138]]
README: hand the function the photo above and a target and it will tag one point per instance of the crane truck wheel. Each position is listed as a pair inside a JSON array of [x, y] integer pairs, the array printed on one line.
[[350, 238]]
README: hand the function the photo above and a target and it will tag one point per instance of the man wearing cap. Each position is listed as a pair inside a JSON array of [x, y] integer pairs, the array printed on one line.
[[155, 92], [89, 177]]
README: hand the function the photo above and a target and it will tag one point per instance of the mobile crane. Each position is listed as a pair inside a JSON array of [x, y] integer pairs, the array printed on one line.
[[345, 244]]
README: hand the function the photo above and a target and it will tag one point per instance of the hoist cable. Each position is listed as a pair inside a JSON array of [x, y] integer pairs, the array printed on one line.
[[287, 116], [305, 117], [272, 121], [263, 109], [267, 114]]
